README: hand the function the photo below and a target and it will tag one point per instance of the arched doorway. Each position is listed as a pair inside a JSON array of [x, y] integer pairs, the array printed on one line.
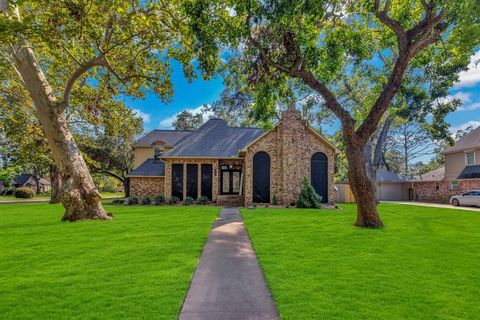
[[261, 177], [319, 175]]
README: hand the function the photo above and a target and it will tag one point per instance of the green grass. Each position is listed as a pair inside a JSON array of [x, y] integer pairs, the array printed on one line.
[[137, 266], [425, 264], [105, 195]]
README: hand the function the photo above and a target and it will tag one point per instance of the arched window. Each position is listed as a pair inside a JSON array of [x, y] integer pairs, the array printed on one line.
[[261, 177], [319, 175]]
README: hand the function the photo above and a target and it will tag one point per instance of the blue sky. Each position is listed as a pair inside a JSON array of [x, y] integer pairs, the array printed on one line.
[[159, 115]]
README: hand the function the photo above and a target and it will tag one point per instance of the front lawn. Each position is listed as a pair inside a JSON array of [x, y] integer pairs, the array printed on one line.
[[425, 264], [137, 266]]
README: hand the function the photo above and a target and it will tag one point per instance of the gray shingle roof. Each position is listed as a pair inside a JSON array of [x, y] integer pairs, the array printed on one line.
[[215, 139], [470, 141], [387, 176], [470, 172], [434, 175], [149, 168], [23, 178], [170, 137]]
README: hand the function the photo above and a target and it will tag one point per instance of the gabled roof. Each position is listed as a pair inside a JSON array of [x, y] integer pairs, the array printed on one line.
[[470, 172], [215, 139], [170, 137], [470, 141], [387, 176], [23, 178], [434, 175], [149, 168]]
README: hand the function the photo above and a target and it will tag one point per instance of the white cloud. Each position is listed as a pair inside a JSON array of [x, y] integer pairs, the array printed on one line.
[[145, 116], [470, 107], [463, 126], [167, 122], [472, 76]]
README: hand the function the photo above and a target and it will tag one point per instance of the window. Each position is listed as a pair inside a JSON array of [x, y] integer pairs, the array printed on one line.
[[454, 185], [230, 179], [470, 158], [158, 152], [437, 185]]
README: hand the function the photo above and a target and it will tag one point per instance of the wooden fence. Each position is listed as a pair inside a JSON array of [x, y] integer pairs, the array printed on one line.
[[343, 193]]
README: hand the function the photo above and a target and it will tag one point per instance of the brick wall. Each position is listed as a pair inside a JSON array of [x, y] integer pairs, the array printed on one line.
[[146, 186], [425, 191], [290, 146], [168, 175]]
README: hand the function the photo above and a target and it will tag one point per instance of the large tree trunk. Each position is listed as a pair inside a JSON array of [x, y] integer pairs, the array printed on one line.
[[362, 187], [126, 187], [56, 184], [80, 197]]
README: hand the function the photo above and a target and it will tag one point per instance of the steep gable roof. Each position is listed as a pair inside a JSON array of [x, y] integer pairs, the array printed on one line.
[[470, 141], [170, 137], [23, 178], [215, 139]]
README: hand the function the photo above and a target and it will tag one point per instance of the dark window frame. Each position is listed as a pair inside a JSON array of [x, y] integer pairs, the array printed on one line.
[[230, 170]]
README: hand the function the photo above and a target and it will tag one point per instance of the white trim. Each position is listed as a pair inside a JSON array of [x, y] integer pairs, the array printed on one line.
[[474, 157]]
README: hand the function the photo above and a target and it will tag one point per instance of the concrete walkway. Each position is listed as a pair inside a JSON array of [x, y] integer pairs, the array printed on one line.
[[228, 282], [434, 205]]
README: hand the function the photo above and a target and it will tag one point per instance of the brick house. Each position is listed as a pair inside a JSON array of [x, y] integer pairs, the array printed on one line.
[[235, 166], [460, 173]]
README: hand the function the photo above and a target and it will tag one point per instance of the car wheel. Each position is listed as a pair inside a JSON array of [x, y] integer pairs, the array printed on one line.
[[455, 202]]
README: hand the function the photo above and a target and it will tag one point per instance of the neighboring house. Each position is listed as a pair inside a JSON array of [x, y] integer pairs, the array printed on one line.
[[235, 166], [28, 180], [460, 173], [393, 187], [390, 187]]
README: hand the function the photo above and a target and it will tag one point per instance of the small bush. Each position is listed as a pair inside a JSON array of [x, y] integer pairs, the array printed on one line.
[[174, 200], [146, 200], [274, 200], [24, 193], [159, 199], [132, 200], [308, 197], [188, 201], [202, 200], [118, 201]]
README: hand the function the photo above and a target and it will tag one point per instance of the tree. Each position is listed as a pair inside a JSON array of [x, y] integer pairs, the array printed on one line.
[[317, 45], [58, 51], [186, 120]]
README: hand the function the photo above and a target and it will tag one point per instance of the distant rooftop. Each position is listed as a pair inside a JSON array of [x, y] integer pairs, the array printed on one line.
[[434, 175]]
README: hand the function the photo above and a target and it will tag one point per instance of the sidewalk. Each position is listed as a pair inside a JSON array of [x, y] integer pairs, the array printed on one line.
[[228, 282]]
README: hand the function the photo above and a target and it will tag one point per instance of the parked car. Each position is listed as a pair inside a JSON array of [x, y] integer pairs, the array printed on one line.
[[470, 198]]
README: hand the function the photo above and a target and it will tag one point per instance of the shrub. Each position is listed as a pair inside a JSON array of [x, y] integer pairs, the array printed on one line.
[[203, 200], [159, 199], [308, 197], [132, 200], [24, 193], [146, 200], [173, 200], [274, 200], [188, 201], [118, 201]]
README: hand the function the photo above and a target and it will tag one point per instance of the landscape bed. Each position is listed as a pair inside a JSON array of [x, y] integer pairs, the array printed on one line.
[[423, 265], [137, 266]]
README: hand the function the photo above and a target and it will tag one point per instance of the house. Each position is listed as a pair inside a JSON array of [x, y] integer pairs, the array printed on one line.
[[28, 180], [235, 166], [460, 173], [390, 187]]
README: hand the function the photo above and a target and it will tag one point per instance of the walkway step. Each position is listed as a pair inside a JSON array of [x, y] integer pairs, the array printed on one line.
[[228, 282]]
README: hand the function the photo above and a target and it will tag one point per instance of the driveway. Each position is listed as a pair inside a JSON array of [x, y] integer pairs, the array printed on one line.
[[434, 205]]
